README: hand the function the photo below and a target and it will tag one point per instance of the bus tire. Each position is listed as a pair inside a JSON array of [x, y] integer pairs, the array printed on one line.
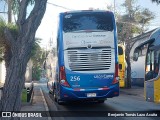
[[54, 95], [60, 102], [50, 92], [101, 101]]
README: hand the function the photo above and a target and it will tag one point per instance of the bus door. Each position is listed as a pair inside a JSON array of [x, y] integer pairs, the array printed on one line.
[[152, 75]]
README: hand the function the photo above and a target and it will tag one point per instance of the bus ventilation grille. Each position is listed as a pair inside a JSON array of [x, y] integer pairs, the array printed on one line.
[[80, 60]]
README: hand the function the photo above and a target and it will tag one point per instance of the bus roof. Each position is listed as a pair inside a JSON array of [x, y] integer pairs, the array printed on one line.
[[78, 11]]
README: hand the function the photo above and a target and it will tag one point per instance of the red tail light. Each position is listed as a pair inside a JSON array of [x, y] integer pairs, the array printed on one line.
[[63, 80], [116, 78], [122, 74]]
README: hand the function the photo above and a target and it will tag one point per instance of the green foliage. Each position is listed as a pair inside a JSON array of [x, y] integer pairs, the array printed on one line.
[[15, 5], [24, 96], [14, 31], [2, 27], [12, 28], [157, 1], [133, 22], [36, 72], [38, 57]]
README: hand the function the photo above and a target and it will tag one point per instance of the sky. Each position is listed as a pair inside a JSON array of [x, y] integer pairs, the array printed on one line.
[[47, 29]]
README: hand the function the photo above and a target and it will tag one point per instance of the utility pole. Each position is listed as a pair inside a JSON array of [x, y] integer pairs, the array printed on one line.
[[114, 6], [9, 11]]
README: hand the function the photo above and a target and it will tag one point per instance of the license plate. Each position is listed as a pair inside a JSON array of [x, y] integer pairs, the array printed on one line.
[[91, 94]]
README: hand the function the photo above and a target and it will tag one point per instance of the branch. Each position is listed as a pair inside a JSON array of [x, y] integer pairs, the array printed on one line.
[[22, 12], [19, 2], [34, 19], [37, 13]]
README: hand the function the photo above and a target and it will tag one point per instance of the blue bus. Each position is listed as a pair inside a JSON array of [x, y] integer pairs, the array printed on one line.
[[87, 58]]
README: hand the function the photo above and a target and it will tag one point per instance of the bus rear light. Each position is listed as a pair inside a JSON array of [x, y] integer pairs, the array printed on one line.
[[64, 83], [105, 88], [65, 95], [76, 89], [116, 77], [63, 80], [116, 93]]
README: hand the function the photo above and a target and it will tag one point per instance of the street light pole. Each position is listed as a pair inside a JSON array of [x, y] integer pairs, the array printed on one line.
[[114, 6]]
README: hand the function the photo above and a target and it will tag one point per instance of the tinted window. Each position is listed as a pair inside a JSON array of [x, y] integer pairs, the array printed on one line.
[[87, 21], [120, 50], [120, 66]]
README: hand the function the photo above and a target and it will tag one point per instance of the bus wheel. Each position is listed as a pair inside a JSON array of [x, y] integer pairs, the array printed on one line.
[[101, 101], [54, 95], [60, 102], [50, 92]]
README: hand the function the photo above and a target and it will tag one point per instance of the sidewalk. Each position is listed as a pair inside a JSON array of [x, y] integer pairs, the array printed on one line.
[[1, 86], [38, 104], [135, 90]]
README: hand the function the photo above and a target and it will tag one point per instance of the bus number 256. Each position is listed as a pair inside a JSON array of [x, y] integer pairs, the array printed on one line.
[[75, 78]]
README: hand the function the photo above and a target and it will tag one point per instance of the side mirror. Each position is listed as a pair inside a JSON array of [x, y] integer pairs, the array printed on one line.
[[135, 56]]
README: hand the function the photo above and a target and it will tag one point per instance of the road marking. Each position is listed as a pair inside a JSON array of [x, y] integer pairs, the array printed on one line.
[[45, 104]]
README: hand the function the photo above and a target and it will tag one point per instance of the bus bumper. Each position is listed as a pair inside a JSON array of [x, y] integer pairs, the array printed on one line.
[[68, 94]]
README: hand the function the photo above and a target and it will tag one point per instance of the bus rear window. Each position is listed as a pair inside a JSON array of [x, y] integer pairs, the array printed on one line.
[[120, 50], [87, 21]]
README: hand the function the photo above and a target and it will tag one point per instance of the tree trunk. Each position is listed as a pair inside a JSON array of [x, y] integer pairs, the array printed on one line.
[[128, 79], [15, 77], [9, 11], [19, 53]]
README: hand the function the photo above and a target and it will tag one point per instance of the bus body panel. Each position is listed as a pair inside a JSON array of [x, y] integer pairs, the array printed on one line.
[[68, 94], [86, 82], [89, 80], [152, 67], [150, 91], [157, 91], [153, 85], [122, 65]]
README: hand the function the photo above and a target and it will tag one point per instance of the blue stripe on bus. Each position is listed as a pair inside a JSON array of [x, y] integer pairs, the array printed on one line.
[[115, 39], [61, 55]]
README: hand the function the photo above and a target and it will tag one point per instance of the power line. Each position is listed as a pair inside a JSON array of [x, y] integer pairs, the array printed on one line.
[[3, 12], [59, 6]]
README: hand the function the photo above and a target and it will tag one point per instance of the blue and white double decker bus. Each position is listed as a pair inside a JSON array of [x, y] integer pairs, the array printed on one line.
[[87, 58]]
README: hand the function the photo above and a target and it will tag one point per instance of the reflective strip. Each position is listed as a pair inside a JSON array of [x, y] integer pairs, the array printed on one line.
[[103, 88], [82, 89], [77, 89]]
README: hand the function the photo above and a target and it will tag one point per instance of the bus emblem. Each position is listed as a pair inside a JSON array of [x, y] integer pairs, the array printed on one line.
[[89, 46]]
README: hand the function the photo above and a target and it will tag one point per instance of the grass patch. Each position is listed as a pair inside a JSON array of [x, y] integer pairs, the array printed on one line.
[[24, 95]]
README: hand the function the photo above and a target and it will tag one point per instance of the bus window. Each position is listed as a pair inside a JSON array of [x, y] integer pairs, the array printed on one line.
[[120, 66], [152, 67], [87, 21]]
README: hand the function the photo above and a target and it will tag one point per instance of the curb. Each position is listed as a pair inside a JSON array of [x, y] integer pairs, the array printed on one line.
[[45, 104]]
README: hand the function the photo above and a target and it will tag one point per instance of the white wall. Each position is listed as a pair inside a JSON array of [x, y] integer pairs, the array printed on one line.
[[28, 74], [2, 72]]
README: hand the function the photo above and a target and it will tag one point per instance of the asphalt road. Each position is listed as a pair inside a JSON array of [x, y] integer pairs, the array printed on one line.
[[125, 102]]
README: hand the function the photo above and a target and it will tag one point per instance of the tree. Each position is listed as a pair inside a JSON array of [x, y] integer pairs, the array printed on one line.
[[17, 51], [129, 24], [38, 57], [157, 1]]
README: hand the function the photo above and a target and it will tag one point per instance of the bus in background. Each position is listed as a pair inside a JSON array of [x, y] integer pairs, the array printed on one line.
[[152, 66], [122, 65], [87, 57], [138, 65]]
